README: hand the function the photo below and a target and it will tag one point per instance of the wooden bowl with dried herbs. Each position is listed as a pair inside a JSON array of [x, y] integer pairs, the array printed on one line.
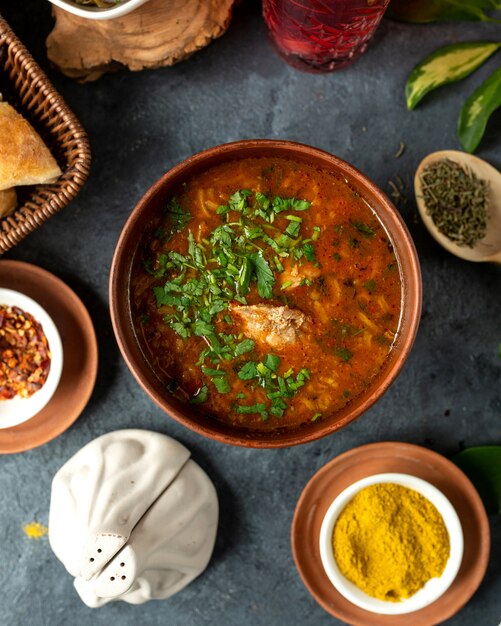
[[459, 198]]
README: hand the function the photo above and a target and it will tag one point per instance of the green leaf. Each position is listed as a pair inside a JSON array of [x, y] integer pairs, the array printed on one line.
[[293, 228], [244, 346], [222, 384], [178, 215], [238, 201], [363, 229], [180, 329], [309, 252], [244, 277], [272, 361], [446, 65], [213, 373], [200, 396], [422, 11], [201, 328], [482, 465], [300, 205], [344, 354], [254, 408], [264, 275], [370, 285], [248, 371], [477, 110]]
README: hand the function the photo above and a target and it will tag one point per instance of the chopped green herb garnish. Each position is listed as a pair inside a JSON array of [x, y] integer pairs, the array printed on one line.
[[265, 277], [309, 252], [222, 384], [316, 417], [179, 216], [344, 354], [272, 362], [253, 408], [244, 346], [363, 229], [248, 371], [201, 395], [237, 256], [370, 285], [316, 233]]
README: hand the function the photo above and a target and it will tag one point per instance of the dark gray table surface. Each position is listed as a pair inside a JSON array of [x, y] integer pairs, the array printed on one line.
[[447, 396]]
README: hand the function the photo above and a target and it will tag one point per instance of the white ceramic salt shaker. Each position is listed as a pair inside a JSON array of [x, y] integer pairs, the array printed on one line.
[[132, 518]]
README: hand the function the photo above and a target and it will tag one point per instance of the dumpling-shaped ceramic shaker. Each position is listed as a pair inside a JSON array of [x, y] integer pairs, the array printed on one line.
[[132, 518]]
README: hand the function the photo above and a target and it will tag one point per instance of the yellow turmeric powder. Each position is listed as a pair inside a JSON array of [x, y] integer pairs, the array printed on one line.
[[389, 541], [35, 530]]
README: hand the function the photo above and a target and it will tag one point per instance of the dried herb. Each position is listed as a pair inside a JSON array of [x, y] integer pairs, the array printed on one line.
[[397, 191], [456, 201], [400, 151]]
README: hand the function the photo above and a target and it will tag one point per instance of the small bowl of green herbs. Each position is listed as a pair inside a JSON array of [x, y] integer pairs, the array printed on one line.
[[98, 9]]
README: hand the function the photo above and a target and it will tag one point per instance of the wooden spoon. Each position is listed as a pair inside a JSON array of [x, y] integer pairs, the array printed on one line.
[[488, 248]]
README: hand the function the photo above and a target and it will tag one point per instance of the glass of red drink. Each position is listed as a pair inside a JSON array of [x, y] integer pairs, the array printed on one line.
[[322, 35]]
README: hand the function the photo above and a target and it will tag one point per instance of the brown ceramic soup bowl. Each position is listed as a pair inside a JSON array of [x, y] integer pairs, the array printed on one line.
[[139, 228]]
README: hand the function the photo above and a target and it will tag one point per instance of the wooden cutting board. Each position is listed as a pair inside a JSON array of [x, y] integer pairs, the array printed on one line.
[[157, 34]]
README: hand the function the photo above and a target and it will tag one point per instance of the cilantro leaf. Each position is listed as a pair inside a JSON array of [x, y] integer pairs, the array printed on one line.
[[200, 396], [202, 328], [370, 285], [264, 275], [222, 384], [238, 201], [363, 229], [248, 371], [259, 408], [180, 329], [309, 252], [244, 276], [244, 346], [179, 216], [344, 354], [272, 361]]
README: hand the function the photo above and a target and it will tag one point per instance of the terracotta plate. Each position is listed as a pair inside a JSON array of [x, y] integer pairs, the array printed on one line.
[[377, 458], [80, 355]]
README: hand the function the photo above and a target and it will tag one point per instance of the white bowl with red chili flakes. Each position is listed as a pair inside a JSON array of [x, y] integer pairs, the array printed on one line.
[[31, 358]]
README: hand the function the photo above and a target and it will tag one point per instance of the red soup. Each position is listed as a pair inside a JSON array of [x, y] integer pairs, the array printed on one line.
[[269, 295]]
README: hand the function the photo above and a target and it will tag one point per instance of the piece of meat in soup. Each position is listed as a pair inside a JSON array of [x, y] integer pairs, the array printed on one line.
[[274, 325]]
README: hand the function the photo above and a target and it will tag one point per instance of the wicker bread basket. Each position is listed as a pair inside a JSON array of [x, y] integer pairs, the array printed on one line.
[[24, 85]]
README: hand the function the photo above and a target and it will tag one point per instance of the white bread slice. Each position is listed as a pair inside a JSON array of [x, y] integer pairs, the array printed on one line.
[[24, 158]]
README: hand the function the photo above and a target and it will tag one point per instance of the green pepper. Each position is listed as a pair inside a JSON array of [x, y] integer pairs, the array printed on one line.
[[446, 65]]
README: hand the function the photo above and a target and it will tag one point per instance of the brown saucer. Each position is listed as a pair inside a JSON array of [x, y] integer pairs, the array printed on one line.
[[378, 458], [79, 353]]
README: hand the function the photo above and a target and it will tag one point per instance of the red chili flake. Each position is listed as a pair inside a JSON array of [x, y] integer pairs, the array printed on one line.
[[24, 354]]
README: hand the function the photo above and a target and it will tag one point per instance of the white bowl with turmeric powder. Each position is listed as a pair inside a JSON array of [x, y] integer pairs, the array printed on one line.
[[391, 543]]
